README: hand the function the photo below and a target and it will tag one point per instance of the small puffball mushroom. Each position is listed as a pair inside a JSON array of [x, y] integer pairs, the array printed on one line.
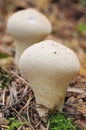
[[49, 67], [27, 27]]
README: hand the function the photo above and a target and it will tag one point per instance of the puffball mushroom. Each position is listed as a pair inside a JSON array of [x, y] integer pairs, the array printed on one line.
[[27, 27], [49, 67]]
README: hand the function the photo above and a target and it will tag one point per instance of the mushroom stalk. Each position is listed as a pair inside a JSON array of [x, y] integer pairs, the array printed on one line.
[[19, 49], [49, 67], [20, 46]]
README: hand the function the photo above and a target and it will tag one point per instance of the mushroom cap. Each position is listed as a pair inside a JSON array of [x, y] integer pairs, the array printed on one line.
[[28, 23], [49, 57]]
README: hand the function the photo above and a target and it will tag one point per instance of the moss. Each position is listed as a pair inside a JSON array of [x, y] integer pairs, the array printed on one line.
[[59, 122]]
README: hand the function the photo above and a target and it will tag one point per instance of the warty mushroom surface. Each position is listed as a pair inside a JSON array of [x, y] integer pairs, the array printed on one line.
[[49, 67]]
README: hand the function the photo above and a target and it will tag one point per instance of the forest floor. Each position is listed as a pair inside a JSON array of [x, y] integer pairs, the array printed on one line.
[[16, 97]]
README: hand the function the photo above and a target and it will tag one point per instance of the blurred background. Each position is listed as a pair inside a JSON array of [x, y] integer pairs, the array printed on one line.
[[68, 19]]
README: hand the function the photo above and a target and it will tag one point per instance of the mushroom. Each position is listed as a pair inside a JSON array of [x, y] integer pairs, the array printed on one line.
[[49, 67], [27, 27]]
